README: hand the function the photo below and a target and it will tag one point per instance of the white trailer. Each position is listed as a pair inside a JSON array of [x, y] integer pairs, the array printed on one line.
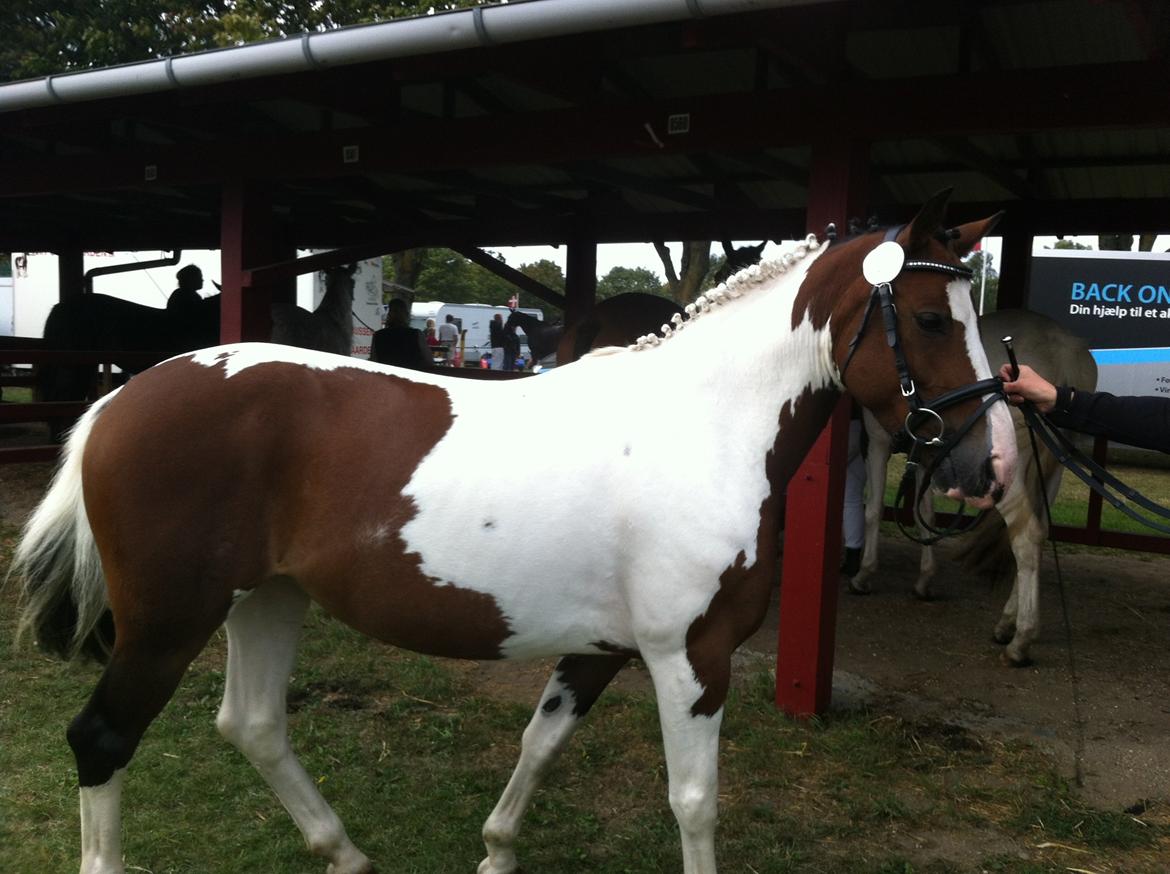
[[473, 318]]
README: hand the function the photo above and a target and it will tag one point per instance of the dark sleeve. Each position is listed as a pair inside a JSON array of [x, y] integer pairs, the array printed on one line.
[[1136, 420]]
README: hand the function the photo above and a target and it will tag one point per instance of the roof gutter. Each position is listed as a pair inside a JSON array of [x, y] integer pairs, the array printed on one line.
[[430, 34]]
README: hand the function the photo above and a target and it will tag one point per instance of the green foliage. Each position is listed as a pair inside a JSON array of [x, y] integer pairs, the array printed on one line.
[[54, 36], [990, 294], [1068, 244], [625, 280], [441, 274]]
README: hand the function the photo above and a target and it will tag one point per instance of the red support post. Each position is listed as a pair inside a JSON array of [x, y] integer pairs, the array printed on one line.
[[70, 273], [812, 536], [247, 239], [580, 278]]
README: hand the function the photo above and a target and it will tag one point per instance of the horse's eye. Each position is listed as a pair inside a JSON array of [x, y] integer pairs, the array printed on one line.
[[931, 323]]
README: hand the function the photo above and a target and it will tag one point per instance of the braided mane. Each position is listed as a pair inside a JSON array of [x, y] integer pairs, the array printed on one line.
[[734, 287]]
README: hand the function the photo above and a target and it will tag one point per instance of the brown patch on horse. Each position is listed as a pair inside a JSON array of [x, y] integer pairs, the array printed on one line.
[[738, 608], [260, 482], [586, 676]]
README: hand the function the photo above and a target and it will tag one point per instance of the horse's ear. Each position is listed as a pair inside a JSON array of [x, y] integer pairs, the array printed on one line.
[[966, 236], [928, 221]]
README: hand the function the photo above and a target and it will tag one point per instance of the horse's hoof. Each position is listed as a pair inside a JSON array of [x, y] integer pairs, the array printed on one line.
[[1003, 636], [1018, 660], [486, 867], [924, 595], [858, 587]]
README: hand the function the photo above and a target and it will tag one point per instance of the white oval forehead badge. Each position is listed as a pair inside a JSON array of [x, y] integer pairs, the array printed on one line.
[[884, 263]]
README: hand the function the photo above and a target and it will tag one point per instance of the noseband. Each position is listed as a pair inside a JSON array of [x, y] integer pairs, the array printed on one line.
[[924, 425]]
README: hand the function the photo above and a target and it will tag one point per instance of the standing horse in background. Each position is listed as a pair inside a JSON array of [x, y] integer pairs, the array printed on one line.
[[1009, 543], [542, 337], [328, 328], [650, 546], [617, 321], [102, 323]]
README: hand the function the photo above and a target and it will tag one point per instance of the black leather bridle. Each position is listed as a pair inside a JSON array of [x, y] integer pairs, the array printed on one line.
[[924, 417]]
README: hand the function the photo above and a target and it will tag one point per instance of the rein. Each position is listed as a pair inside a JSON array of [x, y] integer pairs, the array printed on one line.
[[1119, 495], [881, 268]]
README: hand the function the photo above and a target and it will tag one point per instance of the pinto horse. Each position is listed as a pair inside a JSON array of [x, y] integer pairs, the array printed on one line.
[[199, 495], [1009, 543]]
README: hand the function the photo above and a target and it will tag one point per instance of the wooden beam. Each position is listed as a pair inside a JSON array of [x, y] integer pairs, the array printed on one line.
[[512, 275]]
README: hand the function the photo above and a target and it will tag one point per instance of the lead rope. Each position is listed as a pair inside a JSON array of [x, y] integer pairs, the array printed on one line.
[[1070, 651]]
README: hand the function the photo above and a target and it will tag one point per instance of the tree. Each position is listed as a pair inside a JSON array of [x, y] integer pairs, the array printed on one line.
[[990, 294], [626, 280], [1068, 244], [694, 265], [440, 274], [42, 37]]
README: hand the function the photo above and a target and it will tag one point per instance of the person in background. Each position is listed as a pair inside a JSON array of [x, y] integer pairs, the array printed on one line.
[[496, 341], [449, 337], [1142, 421], [511, 347], [398, 343], [430, 336], [186, 297]]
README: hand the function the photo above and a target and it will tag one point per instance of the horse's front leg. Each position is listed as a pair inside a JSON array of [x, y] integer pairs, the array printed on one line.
[[926, 562], [691, 713], [1019, 626], [877, 459], [570, 693]]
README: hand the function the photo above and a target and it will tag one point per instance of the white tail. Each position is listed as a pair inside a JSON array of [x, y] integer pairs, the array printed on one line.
[[63, 588]]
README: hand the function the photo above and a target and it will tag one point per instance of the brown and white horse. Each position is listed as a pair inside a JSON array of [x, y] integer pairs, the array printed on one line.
[[214, 489], [1009, 544]]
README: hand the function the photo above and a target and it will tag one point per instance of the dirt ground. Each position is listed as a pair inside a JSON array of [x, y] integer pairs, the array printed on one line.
[[937, 658]]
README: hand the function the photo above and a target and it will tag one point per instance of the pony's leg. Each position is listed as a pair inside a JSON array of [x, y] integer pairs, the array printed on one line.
[[926, 562], [691, 743], [570, 693], [138, 681], [1019, 626], [877, 459], [263, 630]]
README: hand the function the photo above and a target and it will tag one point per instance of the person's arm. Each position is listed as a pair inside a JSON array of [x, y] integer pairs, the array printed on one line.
[[1137, 420]]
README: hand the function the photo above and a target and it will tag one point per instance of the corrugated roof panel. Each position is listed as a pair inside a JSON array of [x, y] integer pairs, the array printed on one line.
[[688, 75], [890, 54], [1059, 33]]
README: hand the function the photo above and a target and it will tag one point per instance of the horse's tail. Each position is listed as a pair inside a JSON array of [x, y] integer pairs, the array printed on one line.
[[63, 588]]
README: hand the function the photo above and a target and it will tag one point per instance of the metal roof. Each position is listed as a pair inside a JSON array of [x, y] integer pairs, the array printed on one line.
[[665, 119]]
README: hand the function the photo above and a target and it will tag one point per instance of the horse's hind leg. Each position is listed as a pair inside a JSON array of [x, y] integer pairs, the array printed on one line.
[[263, 630], [138, 681], [570, 693]]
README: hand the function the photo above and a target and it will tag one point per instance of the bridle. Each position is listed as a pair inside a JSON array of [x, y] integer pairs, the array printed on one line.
[[881, 268]]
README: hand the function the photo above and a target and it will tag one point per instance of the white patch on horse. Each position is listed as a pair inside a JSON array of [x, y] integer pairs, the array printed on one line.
[[652, 529], [999, 417], [101, 825]]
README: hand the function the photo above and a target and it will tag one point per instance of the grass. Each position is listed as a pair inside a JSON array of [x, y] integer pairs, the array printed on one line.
[[413, 755]]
